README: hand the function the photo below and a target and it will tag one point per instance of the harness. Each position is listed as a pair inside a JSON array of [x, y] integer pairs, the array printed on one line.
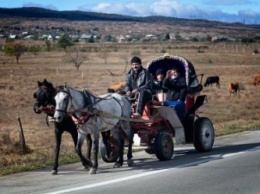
[[89, 111]]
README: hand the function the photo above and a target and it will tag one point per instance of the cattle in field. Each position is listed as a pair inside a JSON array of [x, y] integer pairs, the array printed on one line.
[[212, 80], [233, 87], [256, 80]]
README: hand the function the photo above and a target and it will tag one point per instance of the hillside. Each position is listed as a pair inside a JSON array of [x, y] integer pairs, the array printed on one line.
[[84, 22]]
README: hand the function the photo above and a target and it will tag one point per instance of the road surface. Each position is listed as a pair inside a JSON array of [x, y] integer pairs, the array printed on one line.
[[231, 167]]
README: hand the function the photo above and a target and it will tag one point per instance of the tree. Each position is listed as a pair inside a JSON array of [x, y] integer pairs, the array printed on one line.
[[167, 36], [48, 45], [91, 39], [75, 56], [104, 54], [65, 41], [178, 36], [14, 49], [109, 38], [35, 49]]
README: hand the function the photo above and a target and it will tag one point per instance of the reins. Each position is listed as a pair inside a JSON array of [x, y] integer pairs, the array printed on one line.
[[104, 114], [108, 115], [91, 111]]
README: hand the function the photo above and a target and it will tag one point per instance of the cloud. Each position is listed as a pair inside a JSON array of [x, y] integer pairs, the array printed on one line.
[[250, 16], [177, 9], [51, 7], [133, 9], [172, 8], [230, 2]]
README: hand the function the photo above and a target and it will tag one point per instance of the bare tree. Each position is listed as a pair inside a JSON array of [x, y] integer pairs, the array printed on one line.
[[125, 58], [103, 53], [75, 56]]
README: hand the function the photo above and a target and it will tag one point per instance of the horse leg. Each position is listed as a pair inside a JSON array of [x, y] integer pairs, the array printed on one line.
[[121, 142], [130, 137], [74, 134], [58, 134], [85, 162], [89, 146], [105, 137], [130, 161], [93, 170]]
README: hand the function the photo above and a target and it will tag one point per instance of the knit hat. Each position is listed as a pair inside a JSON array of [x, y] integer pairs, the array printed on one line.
[[159, 71], [136, 60]]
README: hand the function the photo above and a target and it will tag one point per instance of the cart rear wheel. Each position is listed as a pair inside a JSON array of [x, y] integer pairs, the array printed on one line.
[[163, 146], [203, 135], [114, 151]]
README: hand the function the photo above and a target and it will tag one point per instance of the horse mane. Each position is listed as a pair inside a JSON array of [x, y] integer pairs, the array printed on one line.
[[60, 88], [92, 94]]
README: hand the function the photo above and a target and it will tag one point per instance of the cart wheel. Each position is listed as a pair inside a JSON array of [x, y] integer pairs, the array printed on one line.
[[113, 151], [163, 146], [203, 135]]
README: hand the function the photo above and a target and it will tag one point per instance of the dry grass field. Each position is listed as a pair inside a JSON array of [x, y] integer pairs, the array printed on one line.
[[229, 113]]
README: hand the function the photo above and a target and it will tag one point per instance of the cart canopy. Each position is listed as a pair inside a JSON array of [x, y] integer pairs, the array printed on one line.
[[186, 68]]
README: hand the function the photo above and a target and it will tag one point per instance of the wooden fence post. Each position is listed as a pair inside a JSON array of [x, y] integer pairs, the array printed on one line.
[[11, 73], [22, 139]]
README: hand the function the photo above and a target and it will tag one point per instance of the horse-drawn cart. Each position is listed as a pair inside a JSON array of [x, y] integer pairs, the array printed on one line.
[[160, 127]]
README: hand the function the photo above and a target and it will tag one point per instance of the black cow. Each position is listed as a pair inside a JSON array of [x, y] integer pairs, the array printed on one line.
[[211, 80]]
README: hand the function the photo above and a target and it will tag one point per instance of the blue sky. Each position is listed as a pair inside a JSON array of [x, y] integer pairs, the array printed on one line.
[[247, 11]]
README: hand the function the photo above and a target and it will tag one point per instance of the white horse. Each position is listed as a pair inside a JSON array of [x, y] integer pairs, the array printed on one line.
[[104, 114]]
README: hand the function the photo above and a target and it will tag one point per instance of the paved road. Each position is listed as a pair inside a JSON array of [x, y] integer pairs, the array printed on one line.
[[231, 167]]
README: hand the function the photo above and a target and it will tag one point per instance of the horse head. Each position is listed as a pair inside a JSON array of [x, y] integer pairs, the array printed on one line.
[[44, 96], [63, 101]]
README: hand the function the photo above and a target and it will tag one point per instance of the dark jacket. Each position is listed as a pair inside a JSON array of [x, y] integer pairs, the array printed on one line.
[[158, 87], [177, 88], [142, 81]]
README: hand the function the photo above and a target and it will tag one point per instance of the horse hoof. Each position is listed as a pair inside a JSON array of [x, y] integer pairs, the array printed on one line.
[[54, 172], [88, 164], [93, 171], [130, 162], [86, 168], [117, 165]]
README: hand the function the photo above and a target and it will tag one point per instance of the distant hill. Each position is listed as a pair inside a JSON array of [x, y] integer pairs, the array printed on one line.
[[114, 24], [34, 12]]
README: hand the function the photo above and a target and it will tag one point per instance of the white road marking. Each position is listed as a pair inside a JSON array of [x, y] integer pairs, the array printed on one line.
[[231, 154], [151, 173], [108, 182], [242, 152]]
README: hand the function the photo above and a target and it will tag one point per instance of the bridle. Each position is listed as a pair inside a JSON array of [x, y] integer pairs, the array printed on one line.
[[67, 103], [49, 94]]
